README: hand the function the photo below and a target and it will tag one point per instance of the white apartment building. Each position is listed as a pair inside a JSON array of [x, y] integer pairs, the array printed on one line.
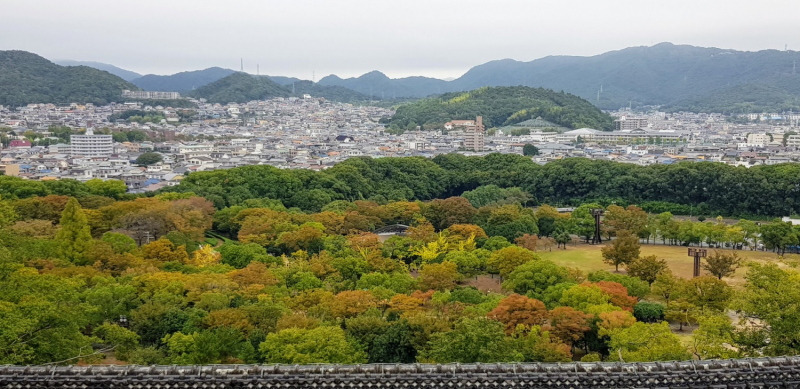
[[793, 141], [625, 123], [91, 145], [758, 139]]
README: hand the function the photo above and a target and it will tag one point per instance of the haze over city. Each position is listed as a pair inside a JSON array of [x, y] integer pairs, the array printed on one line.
[[440, 38]]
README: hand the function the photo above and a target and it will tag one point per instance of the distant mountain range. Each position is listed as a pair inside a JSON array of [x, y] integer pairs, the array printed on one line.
[[126, 75], [673, 76], [182, 82], [664, 74], [242, 87], [27, 78]]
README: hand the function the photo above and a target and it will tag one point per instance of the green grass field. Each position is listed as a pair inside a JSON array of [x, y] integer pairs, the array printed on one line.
[[588, 258]]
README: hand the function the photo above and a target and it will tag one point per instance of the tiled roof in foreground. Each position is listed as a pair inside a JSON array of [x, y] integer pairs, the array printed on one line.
[[764, 373]]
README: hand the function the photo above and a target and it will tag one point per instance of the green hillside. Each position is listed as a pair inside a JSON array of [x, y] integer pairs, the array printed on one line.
[[240, 88], [243, 87], [27, 78], [503, 106]]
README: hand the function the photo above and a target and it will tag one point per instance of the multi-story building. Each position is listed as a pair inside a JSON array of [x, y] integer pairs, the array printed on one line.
[[793, 141], [474, 135], [758, 139], [626, 123], [91, 145], [138, 94]]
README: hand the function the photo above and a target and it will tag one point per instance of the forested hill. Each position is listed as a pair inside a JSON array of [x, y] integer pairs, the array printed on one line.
[[503, 106], [243, 87], [240, 88], [27, 78], [702, 188]]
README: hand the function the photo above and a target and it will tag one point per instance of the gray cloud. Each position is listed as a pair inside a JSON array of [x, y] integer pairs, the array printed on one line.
[[437, 38]]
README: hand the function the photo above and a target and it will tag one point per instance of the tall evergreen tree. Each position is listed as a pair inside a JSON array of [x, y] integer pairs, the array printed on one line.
[[74, 237], [7, 214]]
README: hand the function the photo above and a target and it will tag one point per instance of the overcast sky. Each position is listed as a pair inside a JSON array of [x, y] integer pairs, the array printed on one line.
[[436, 38]]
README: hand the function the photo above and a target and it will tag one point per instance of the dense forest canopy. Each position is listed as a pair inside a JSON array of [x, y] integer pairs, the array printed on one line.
[[696, 188], [705, 188], [170, 279], [502, 106], [30, 79]]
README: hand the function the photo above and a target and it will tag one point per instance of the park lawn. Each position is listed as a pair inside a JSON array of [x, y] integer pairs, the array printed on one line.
[[588, 258]]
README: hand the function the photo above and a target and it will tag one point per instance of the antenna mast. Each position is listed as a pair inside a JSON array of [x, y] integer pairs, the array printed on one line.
[[258, 70], [241, 64]]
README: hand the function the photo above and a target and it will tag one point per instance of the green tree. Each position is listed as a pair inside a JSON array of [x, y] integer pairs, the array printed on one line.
[[107, 188], [7, 214], [648, 312], [304, 346], [210, 346], [530, 150], [713, 338], [623, 250], [149, 158], [540, 346], [534, 277], [772, 300], [646, 342], [120, 243], [682, 311], [647, 268], [468, 263], [42, 319], [582, 221], [74, 237], [241, 255], [778, 235], [504, 261], [722, 264], [395, 345], [471, 341], [122, 339]]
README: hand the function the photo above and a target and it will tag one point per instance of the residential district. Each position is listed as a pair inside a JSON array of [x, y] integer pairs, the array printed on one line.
[[312, 133]]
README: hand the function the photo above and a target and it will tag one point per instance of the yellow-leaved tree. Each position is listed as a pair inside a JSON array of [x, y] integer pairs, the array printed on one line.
[[205, 256]]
